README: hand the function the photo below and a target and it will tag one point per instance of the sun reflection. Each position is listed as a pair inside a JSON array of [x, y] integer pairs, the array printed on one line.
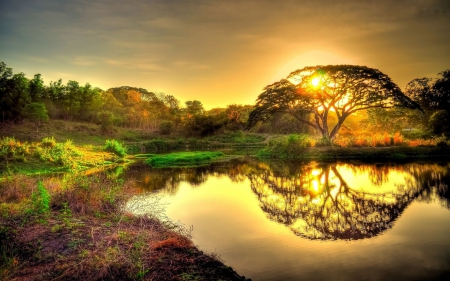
[[315, 185]]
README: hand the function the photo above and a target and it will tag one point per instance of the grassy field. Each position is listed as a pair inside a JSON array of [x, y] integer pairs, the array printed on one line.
[[48, 155], [183, 159], [80, 133]]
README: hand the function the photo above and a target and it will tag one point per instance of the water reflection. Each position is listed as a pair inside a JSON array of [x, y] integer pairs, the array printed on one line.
[[319, 200]]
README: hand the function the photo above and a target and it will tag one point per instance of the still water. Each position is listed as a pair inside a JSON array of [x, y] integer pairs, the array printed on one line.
[[311, 221]]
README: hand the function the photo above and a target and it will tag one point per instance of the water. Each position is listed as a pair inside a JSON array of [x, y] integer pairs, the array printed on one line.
[[312, 221]]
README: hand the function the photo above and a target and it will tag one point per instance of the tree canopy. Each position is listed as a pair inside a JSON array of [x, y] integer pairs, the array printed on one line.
[[320, 91]]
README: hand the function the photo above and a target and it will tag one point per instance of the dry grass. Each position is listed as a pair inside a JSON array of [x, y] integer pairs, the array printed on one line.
[[87, 235]]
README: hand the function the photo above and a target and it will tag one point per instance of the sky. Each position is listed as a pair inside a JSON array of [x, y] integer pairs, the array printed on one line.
[[219, 52]]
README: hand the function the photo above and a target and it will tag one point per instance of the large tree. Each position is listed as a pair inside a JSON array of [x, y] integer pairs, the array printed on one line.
[[321, 91]]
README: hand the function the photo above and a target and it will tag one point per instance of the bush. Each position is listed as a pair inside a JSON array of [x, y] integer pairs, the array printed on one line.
[[287, 146], [116, 147], [60, 153]]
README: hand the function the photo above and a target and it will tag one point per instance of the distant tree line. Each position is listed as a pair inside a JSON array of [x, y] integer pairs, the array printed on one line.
[[315, 100], [23, 98]]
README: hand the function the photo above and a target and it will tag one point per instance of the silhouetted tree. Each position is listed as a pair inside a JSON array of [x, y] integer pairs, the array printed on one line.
[[441, 92], [323, 90]]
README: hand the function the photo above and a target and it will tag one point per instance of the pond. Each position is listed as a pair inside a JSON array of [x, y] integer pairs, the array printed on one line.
[[311, 220]]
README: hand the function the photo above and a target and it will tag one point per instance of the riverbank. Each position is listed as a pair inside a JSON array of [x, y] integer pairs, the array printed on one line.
[[390, 153], [74, 228]]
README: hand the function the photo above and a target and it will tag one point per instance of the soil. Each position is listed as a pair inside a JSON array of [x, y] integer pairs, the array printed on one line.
[[90, 248]]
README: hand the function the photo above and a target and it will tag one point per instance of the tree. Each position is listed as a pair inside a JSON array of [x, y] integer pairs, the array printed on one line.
[[14, 96], [35, 112], [5, 75], [441, 92], [323, 90], [439, 122], [37, 88], [194, 107], [433, 95]]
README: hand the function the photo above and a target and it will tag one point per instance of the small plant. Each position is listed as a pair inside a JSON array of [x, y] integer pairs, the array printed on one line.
[[116, 147], [48, 142], [40, 200], [66, 214]]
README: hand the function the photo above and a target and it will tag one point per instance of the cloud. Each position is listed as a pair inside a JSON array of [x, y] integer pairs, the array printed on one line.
[[246, 42]]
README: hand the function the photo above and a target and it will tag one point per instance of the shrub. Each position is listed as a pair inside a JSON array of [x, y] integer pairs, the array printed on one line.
[[287, 146], [116, 147], [60, 153], [48, 142]]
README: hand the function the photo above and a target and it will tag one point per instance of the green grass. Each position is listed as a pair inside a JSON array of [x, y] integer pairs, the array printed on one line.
[[286, 147], [116, 147], [177, 159]]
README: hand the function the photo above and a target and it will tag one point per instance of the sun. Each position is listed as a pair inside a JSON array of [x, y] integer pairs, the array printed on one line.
[[315, 81]]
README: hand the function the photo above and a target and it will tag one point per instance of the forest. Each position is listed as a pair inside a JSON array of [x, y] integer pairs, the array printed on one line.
[[25, 99]]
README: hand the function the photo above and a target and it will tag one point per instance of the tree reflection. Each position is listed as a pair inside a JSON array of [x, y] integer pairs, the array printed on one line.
[[169, 180], [319, 201]]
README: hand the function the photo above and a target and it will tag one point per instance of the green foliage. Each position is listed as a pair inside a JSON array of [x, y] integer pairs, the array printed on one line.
[[35, 112], [13, 150], [287, 146], [106, 119], [440, 122], [166, 127], [59, 153], [116, 147], [48, 142], [48, 150], [40, 200], [183, 159]]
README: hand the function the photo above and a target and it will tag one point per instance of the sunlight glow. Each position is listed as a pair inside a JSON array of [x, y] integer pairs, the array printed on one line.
[[315, 81]]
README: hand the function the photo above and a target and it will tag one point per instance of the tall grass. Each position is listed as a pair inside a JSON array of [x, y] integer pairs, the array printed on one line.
[[63, 154], [116, 147]]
